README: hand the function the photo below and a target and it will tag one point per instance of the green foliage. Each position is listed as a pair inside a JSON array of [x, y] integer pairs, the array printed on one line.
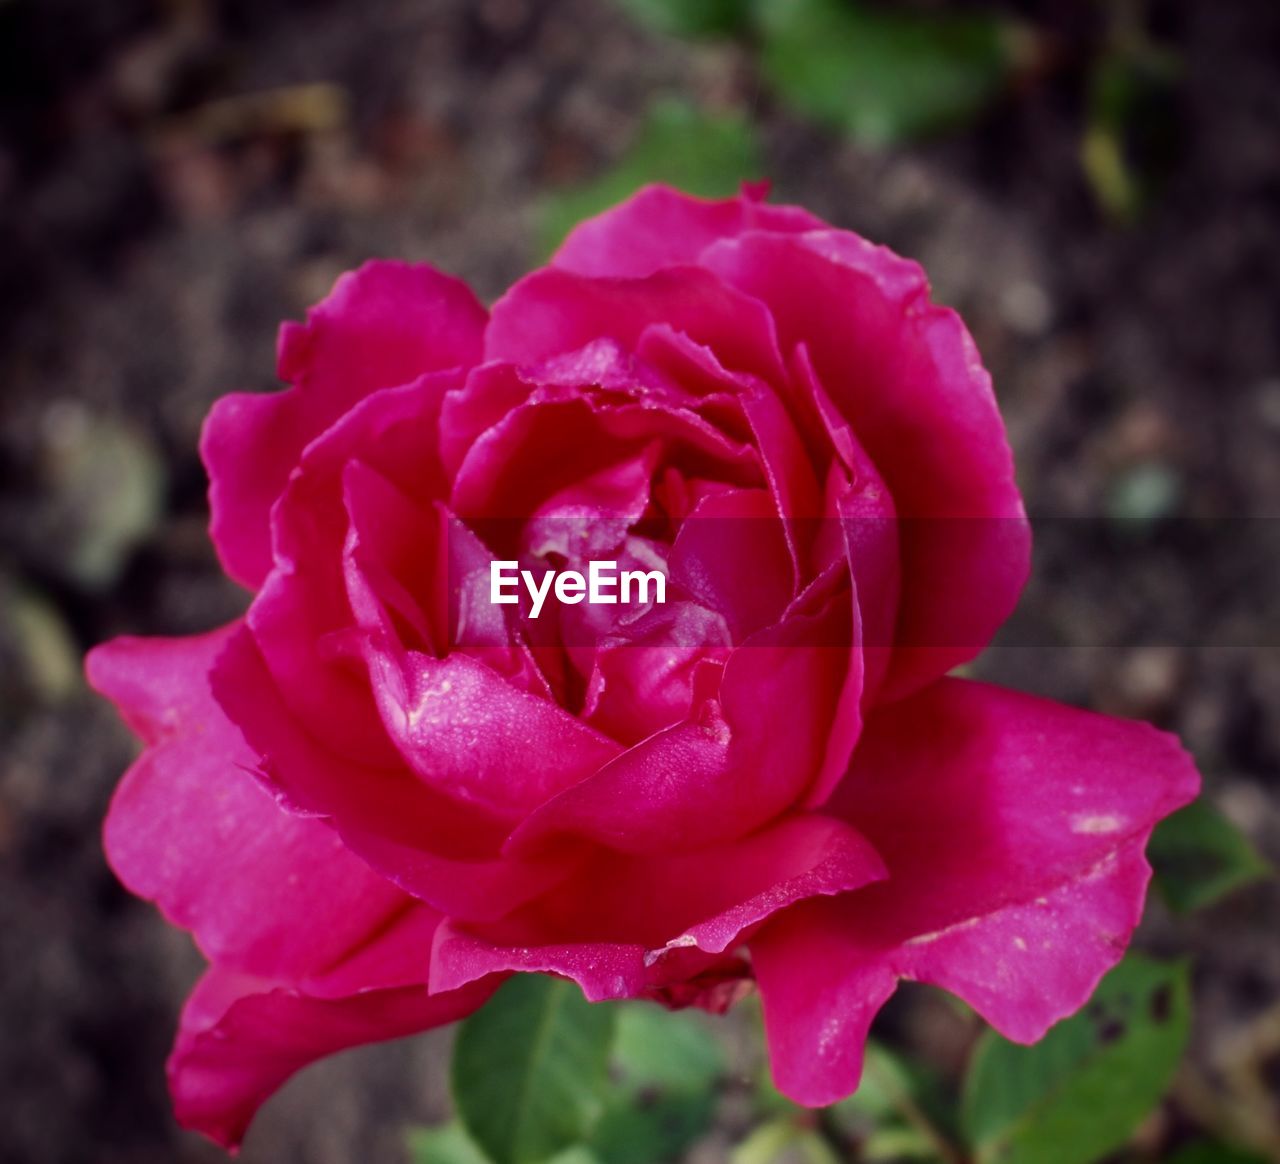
[[447, 1145], [784, 1141], [659, 1048], [667, 1066], [878, 73], [1131, 134], [1199, 857], [690, 17], [1207, 1152], [530, 1069], [451, 1144], [540, 1075], [1144, 494], [874, 1115], [701, 154], [1080, 1092]]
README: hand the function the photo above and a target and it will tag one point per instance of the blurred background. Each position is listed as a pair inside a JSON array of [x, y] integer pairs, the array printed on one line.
[[1093, 184]]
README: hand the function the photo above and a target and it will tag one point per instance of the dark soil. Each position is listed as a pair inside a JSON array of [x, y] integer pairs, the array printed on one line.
[[152, 236]]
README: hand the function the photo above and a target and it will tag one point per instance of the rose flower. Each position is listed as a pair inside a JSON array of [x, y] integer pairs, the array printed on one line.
[[378, 793]]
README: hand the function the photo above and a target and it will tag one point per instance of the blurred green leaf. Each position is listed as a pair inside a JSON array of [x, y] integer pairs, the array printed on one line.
[[1199, 857], [784, 1141], [878, 73], [667, 1066], [898, 1142], [691, 17], [530, 1069], [446, 1145], [639, 1129], [889, 1084], [1208, 1152], [655, 1047], [1131, 136], [768, 1101], [1080, 1092], [105, 481], [578, 1154], [1144, 493], [36, 645], [704, 155]]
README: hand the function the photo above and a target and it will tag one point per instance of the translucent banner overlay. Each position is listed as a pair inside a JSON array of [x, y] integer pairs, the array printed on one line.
[[1093, 582]]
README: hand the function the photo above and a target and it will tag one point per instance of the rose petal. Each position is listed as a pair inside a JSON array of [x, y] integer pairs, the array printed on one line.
[[1013, 830], [303, 608], [549, 445], [552, 312], [906, 376], [240, 1038], [469, 734], [434, 848], [660, 227], [263, 892], [618, 923], [381, 325], [731, 555], [732, 765]]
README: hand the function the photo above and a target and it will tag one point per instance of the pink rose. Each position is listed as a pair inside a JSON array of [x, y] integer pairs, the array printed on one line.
[[378, 793]]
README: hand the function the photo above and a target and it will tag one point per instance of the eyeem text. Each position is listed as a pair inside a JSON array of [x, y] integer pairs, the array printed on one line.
[[603, 585]]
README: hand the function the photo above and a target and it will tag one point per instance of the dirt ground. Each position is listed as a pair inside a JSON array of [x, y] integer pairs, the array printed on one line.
[[156, 226]]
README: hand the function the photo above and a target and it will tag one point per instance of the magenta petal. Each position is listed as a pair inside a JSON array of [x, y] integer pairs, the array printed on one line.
[[906, 376], [731, 555], [1013, 830], [240, 1038], [622, 923], [192, 830], [732, 765], [660, 227], [819, 998], [603, 969], [470, 734], [304, 600], [552, 312], [382, 325], [434, 848]]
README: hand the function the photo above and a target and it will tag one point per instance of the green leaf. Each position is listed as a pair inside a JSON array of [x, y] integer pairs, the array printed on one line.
[[898, 1143], [655, 1047], [667, 1065], [1080, 1092], [1144, 494], [888, 1079], [642, 1129], [1199, 857], [1207, 1152], [690, 17], [880, 74], [530, 1069], [783, 1141], [449, 1144], [701, 154], [1132, 135]]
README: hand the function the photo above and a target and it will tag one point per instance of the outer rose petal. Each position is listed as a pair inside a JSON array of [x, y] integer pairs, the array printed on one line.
[[1013, 829], [660, 227], [436, 849], [621, 922], [907, 378], [380, 326], [303, 600], [551, 312], [192, 830], [240, 1038]]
